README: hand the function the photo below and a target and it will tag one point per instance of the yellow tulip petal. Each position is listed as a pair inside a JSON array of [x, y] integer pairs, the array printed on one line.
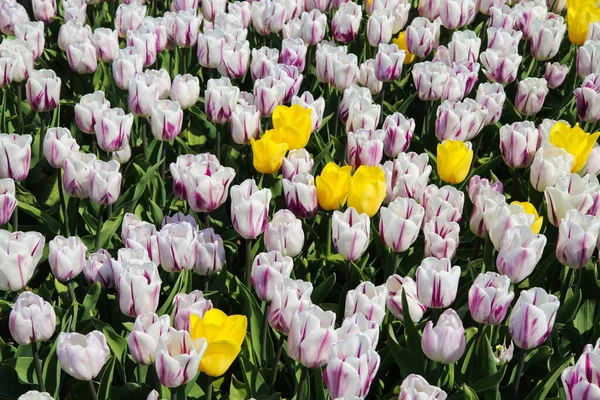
[[575, 141], [400, 41], [267, 155], [293, 125], [218, 357], [453, 161], [333, 186], [234, 329], [367, 189], [530, 209]]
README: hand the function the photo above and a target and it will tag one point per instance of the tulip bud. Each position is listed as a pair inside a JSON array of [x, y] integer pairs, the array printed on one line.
[[365, 147], [398, 132], [185, 28], [268, 272], [368, 300], [206, 185], [491, 96], [445, 342], [350, 233], [82, 57], [67, 257], [288, 297], [500, 38], [489, 298], [415, 387], [220, 98], [457, 13], [366, 77], [144, 44], [35, 395], [437, 282], [301, 195], [577, 237], [89, 110], [44, 10], [174, 244], [431, 80], [406, 176], [587, 98], [531, 93], [284, 234], [187, 304], [550, 163], [571, 192], [501, 65], [345, 24], [388, 62], [166, 120], [380, 27], [313, 25], [441, 238], [588, 57], [143, 339], [177, 218], [129, 17], [399, 223], [293, 53], [592, 166], [249, 209], [454, 160], [208, 164], [43, 90], [185, 90], [363, 115], [32, 33], [578, 380], [177, 356], [459, 120], [210, 47], [396, 286], [211, 8], [297, 162], [546, 37], [82, 356], [31, 319], [15, 156], [532, 318], [105, 182], [20, 252], [58, 144], [98, 269], [75, 10], [518, 143], [126, 66], [321, 325], [138, 287], [421, 36], [519, 252], [210, 253], [7, 199], [76, 178], [143, 94]]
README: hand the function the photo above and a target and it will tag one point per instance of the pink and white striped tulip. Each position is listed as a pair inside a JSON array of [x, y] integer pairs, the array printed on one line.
[[490, 298], [445, 342], [437, 282], [532, 318], [400, 222], [143, 339], [519, 253], [32, 319], [311, 350], [350, 233], [397, 287]]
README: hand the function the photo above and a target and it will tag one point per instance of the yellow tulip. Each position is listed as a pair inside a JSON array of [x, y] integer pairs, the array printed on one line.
[[575, 141], [293, 125], [333, 185], [267, 154], [400, 41], [453, 160], [580, 13], [530, 209], [367, 189], [224, 336]]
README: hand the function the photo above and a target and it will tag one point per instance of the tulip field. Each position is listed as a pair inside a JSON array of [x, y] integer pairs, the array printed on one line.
[[299, 199]]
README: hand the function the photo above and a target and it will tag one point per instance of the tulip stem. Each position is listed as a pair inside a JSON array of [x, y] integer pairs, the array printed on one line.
[[3, 116], [19, 105], [336, 116], [248, 262], [76, 216], [93, 391], [99, 227], [63, 204], [568, 276], [163, 167], [71, 291], [218, 143], [206, 220], [519, 372], [38, 366], [264, 332], [276, 361], [383, 98], [302, 383], [439, 370], [144, 142], [42, 129], [209, 388]]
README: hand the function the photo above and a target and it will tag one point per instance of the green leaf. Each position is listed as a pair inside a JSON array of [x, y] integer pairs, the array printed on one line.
[[411, 335], [237, 390], [408, 361], [584, 320], [542, 388], [52, 372], [253, 378], [469, 393], [41, 216], [320, 292], [489, 382], [117, 343], [90, 300], [25, 369], [107, 378], [568, 310]]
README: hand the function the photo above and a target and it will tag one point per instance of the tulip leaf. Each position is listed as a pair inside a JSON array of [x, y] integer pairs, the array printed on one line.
[[253, 378], [41, 216], [568, 310], [137, 190], [411, 335], [469, 393], [107, 378], [25, 369], [320, 292], [5, 309], [584, 320], [489, 382], [408, 361], [11, 387], [544, 386], [117, 343], [237, 390], [180, 283], [52, 372], [90, 300]]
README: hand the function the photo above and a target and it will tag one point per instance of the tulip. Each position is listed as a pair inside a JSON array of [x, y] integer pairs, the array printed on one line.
[[500, 38], [43, 90], [587, 58], [267, 153], [368, 300], [530, 209], [32, 33], [224, 336], [367, 190], [579, 381], [366, 77], [128, 17], [142, 94], [177, 218], [89, 110], [105, 182], [363, 115], [301, 195], [464, 46], [501, 65], [210, 253], [457, 13], [577, 237], [489, 298], [550, 163], [459, 120], [268, 272], [293, 53], [144, 44], [98, 268], [126, 66], [284, 234], [137, 234], [587, 99], [288, 297], [182, 5], [67, 257], [206, 185], [575, 141], [12, 14], [398, 133], [358, 324], [454, 160], [445, 342], [166, 120], [406, 176], [143, 339], [388, 62], [520, 251], [399, 223], [546, 37], [401, 42], [207, 164], [174, 243], [263, 61], [531, 93], [351, 231], [477, 184], [177, 357], [76, 178], [211, 8], [313, 25], [82, 356], [333, 186], [210, 47], [113, 129], [365, 147], [518, 143], [138, 287], [220, 98], [445, 201], [297, 162], [186, 25], [106, 42], [44, 10], [431, 79], [187, 304], [437, 282], [269, 17], [500, 216], [532, 318], [441, 238], [185, 90], [58, 144], [236, 56], [398, 286], [32, 319], [249, 209], [421, 36], [15, 156], [311, 350], [82, 57], [35, 395], [579, 16], [75, 10], [351, 95], [7, 199], [163, 81], [415, 387], [380, 27], [345, 23], [20, 252]]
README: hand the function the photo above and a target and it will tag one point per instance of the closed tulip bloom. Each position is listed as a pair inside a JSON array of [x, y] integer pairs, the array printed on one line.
[[431, 79], [313, 25], [365, 147], [454, 160], [531, 210], [352, 95], [211, 8], [144, 44], [415, 387], [89, 110], [181, 5], [142, 94], [400, 41], [129, 17], [500, 38], [105, 182], [267, 153], [82, 57], [575, 141], [445, 342], [297, 162], [363, 115], [579, 16], [421, 36], [366, 77], [43, 90], [284, 234], [75, 10], [178, 357], [186, 25], [207, 163], [368, 300], [580, 381], [8, 201], [531, 93], [188, 304], [138, 287], [293, 53], [12, 14], [210, 252], [220, 99], [263, 60], [350, 233], [76, 178], [301, 195], [15, 156], [268, 272], [518, 143], [388, 62], [477, 184], [587, 58], [446, 201], [32, 319], [269, 17], [113, 129], [82, 356], [459, 120], [58, 144], [98, 268], [333, 186], [492, 97], [35, 395], [380, 27], [140, 235], [358, 324], [501, 65], [293, 125], [185, 89], [441, 238], [400, 223], [398, 286], [224, 335], [345, 23], [457, 13], [312, 332], [206, 185], [587, 98], [367, 189], [126, 66], [67, 257], [44, 10], [546, 37], [437, 282], [464, 46], [406, 176], [489, 298], [592, 166], [174, 244], [250, 209], [236, 56], [143, 339], [550, 163], [519, 253], [577, 238], [500, 216], [210, 47], [32, 33], [398, 133], [20, 253], [70, 31], [166, 120], [532, 318]]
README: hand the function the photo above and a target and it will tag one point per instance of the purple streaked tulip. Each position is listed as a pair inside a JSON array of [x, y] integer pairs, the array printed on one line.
[[313, 25], [368, 300], [178, 356], [113, 129], [301, 195], [82, 356], [388, 62], [8, 201], [187, 304], [532, 318], [311, 350], [476, 184], [144, 44], [126, 66], [437, 282], [166, 120], [415, 387], [421, 36], [461, 120], [264, 60], [351, 95], [350, 233], [325, 53], [380, 26], [288, 298], [186, 25], [587, 98], [464, 46], [406, 176], [183, 163], [519, 253], [76, 178], [457, 13], [502, 16], [174, 244], [7, 64], [138, 287], [11, 15], [20, 253], [143, 339], [210, 47], [76, 10], [571, 192], [351, 368], [220, 99], [129, 17], [142, 94], [588, 58], [546, 37], [531, 93], [445, 342], [245, 123], [358, 324], [499, 217], [400, 223], [140, 235], [268, 93], [211, 8], [492, 97], [90, 110], [398, 286], [550, 163], [293, 53], [182, 5], [345, 71], [581, 380], [43, 90], [268, 272], [398, 133], [32, 33], [441, 238], [269, 17], [526, 14], [431, 79], [284, 234], [185, 89], [82, 57], [32, 319], [163, 81], [365, 147], [366, 76], [487, 198], [236, 56], [446, 201], [250, 209], [206, 185], [20, 60], [501, 65], [70, 31], [210, 252], [98, 268], [518, 143], [500, 38], [429, 9], [490, 298], [362, 114], [345, 24], [58, 145], [577, 238], [44, 10], [15, 156], [105, 182]]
